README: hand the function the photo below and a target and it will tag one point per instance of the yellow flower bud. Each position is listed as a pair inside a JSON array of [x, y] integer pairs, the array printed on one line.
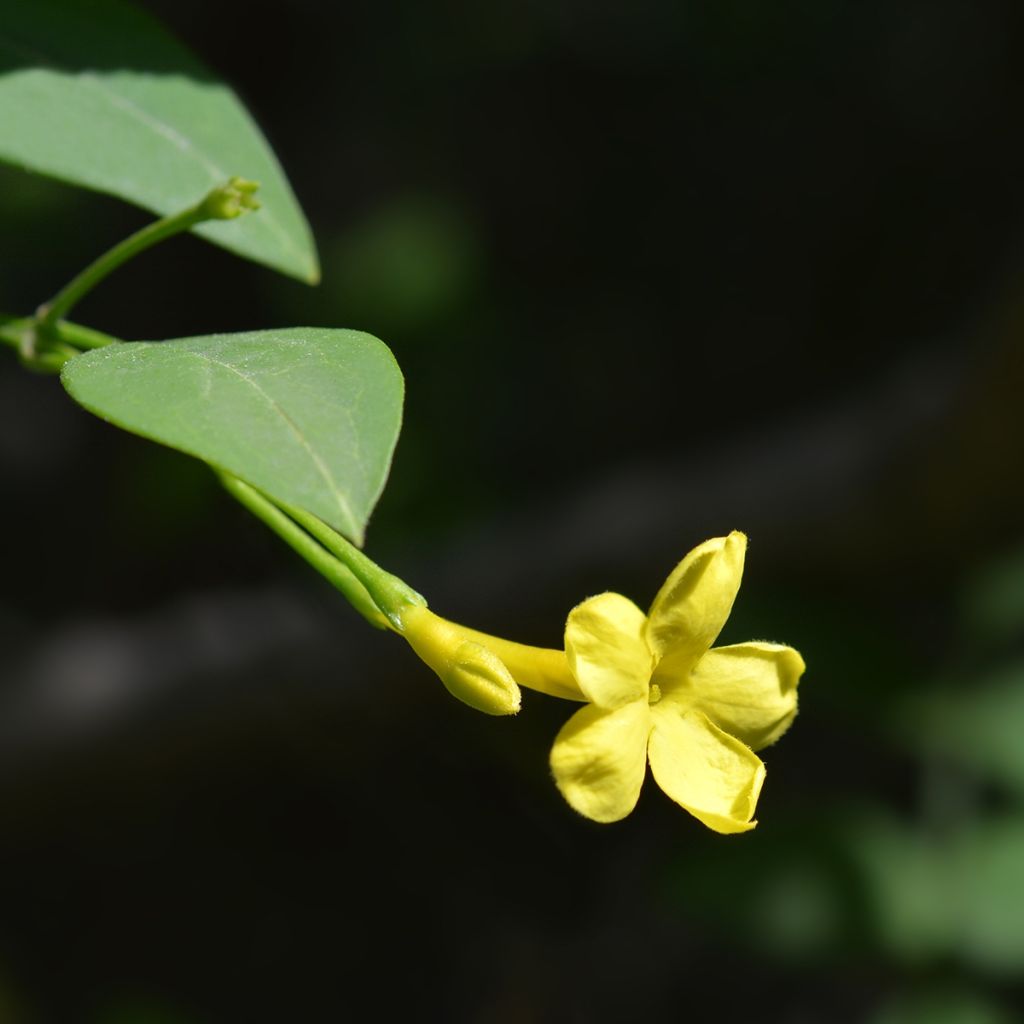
[[469, 670]]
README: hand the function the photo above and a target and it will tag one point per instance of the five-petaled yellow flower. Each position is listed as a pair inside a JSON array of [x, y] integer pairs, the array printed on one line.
[[655, 691], [659, 692]]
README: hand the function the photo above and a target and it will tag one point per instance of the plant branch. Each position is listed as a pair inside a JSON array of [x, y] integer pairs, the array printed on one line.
[[302, 543], [68, 339], [390, 593], [224, 203]]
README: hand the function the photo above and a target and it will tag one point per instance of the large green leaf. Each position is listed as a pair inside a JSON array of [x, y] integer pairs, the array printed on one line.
[[96, 93], [308, 416]]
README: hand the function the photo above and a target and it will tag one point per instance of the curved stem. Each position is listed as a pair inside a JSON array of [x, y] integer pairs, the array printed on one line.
[[301, 542], [222, 203], [81, 337], [50, 312], [68, 340]]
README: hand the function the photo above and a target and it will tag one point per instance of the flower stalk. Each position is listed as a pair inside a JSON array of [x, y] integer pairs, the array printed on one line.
[[339, 575], [225, 202], [391, 594]]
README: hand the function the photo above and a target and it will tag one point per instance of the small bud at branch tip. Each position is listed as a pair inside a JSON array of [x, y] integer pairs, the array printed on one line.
[[230, 200]]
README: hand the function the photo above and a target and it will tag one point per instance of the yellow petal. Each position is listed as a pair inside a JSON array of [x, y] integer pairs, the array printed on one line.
[[715, 777], [607, 652], [749, 690], [600, 757], [694, 602]]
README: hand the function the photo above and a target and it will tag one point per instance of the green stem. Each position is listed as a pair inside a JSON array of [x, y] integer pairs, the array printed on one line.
[[20, 334], [301, 542], [391, 594], [223, 203], [81, 337], [68, 339], [49, 313]]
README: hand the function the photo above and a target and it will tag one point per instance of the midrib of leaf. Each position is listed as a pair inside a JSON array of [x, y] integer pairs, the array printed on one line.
[[154, 124], [161, 128], [321, 467]]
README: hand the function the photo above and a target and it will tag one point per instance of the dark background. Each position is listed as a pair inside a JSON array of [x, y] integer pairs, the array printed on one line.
[[653, 272]]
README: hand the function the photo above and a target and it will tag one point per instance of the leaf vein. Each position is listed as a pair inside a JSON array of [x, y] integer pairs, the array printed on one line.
[[321, 466]]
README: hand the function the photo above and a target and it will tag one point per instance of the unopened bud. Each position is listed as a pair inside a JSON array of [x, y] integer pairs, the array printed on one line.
[[231, 200], [479, 678], [469, 670]]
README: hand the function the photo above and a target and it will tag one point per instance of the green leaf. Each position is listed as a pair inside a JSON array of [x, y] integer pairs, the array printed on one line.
[[99, 95], [308, 416]]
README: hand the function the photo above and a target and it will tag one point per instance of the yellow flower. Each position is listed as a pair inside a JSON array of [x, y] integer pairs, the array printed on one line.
[[659, 692], [655, 689]]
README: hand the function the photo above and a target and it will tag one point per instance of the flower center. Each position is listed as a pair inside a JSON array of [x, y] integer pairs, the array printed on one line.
[[655, 694]]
